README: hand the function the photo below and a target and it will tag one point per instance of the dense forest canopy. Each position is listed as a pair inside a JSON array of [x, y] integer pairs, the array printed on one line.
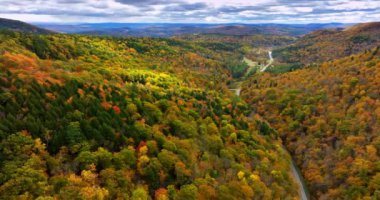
[[101, 117], [328, 116], [136, 118]]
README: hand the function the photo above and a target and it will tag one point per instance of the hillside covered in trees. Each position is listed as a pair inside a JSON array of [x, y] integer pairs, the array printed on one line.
[[14, 25], [328, 117], [137, 118], [329, 44]]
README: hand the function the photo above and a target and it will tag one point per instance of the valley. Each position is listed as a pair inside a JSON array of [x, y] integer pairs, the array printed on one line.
[[202, 111], [236, 88]]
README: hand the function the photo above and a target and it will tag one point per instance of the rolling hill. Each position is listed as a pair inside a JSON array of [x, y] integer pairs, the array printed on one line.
[[330, 44], [328, 117], [168, 30], [19, 26]]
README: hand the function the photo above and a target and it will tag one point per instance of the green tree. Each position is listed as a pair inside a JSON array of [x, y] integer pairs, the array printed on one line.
[[168, 159], [74, 134], [85, 159], [139, 194], [187, 192], [104, 158]]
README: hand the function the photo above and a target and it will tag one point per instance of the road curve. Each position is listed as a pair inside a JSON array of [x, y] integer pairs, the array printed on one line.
[[270, 62], [296, 174]]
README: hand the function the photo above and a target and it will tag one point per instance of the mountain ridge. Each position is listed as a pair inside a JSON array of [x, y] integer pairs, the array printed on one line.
[[20, 26], [175, 29], [329, 44]]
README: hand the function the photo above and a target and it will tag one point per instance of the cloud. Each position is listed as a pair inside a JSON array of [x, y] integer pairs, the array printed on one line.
[[246, 11], [71, 1], [147, 2], [186, 7]]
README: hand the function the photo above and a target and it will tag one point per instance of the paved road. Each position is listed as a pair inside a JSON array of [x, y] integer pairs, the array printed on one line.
[[297, 177], [270, 62], [252, 65]]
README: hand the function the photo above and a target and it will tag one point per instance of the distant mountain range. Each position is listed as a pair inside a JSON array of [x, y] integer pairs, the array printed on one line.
[[167, 30], [21, 26]]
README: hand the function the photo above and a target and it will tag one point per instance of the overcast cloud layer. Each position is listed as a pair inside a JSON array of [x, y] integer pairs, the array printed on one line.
[[192, 11]]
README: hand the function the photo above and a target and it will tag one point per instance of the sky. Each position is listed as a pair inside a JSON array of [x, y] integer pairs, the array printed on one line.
[[192, 11]]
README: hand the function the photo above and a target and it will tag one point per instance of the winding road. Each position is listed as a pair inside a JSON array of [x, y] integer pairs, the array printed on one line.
[[269, 63], [296, 174]]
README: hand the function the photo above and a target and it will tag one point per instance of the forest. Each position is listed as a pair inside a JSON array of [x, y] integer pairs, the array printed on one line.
[[129, 118], [322, 97], [142, 118], [327, 45], [328, 117]]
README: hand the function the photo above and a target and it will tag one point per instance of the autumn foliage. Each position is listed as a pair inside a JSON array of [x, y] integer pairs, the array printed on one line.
[[136, 118], [328, 117]]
